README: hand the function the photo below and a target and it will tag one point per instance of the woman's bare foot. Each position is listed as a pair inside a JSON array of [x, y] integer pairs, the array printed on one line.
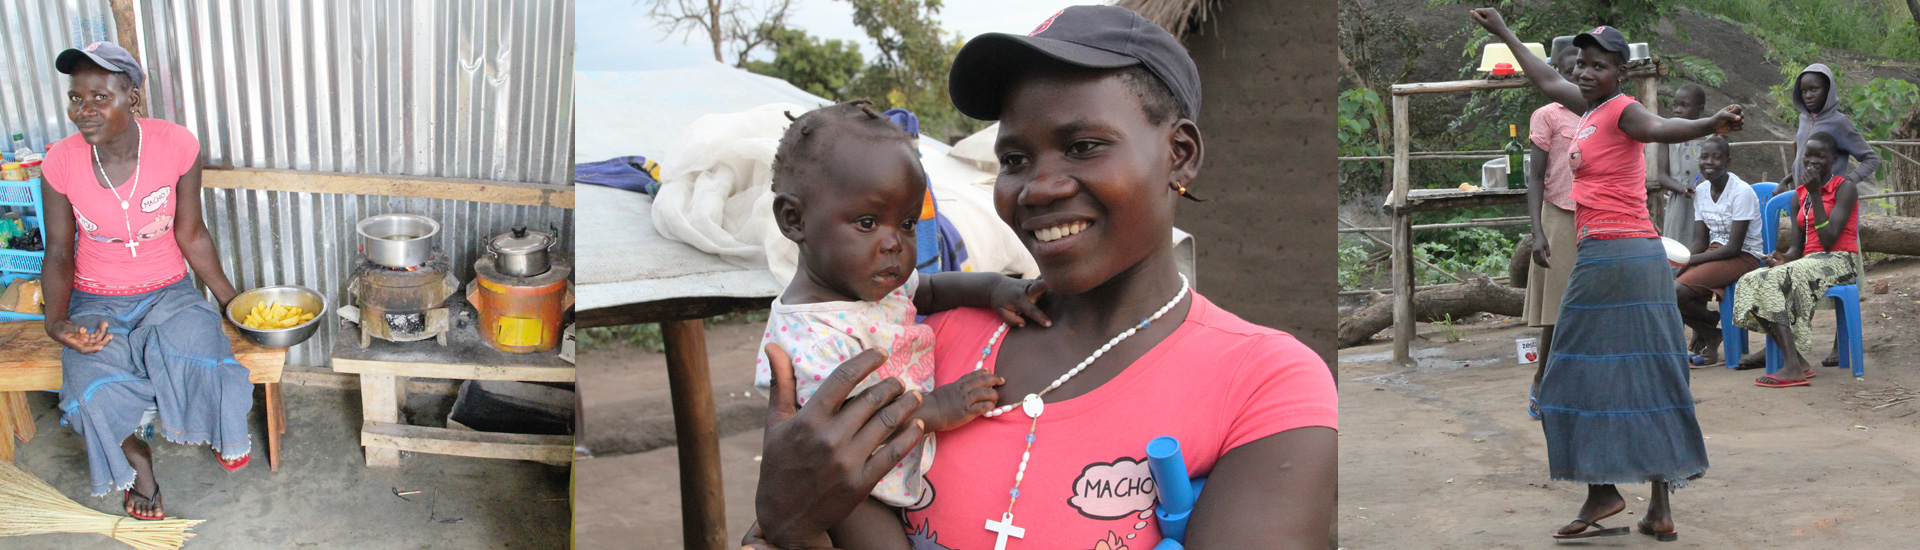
[[1659, 519], [145, 485], [1603, 501]]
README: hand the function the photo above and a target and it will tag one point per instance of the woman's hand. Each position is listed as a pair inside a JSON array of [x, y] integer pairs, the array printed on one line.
[[1489, 19], [75, 336], [823, 459], [1014, 299], [1540, 250], [1728, 120]]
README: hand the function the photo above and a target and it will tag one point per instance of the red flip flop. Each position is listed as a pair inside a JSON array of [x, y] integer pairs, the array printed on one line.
[[235, 465], [127, 502], [1768, 381]]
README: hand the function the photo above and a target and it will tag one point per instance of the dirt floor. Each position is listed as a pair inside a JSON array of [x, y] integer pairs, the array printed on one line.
[[632, 499], [1443, 455], [324, 496]]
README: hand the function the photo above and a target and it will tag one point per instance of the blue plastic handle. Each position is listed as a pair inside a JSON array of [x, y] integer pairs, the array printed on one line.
[[1176, 491]]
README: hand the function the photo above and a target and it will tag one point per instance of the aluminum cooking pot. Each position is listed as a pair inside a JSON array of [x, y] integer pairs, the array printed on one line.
[[398, 241], [521, 253]]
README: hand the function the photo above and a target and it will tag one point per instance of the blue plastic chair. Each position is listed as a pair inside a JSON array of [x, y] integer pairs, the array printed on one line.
[[1733, 339], [1846, 301]]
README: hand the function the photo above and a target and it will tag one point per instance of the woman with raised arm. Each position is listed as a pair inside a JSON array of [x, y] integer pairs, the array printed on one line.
[[1614, 401]]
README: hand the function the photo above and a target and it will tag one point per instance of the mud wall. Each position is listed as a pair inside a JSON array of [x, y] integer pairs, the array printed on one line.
[[1265, 238]]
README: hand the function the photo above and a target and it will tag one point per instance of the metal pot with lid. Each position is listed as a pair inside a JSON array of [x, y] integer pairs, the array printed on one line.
[[521, 253]]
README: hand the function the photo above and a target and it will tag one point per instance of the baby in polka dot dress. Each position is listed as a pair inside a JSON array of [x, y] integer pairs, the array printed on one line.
[[849, 189]]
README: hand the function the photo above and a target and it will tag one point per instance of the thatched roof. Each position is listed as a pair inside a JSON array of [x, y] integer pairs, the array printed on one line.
[[1177, 16]]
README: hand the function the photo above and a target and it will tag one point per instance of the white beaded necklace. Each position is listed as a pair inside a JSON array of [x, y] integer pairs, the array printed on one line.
[[1033, 406], [126, 216]]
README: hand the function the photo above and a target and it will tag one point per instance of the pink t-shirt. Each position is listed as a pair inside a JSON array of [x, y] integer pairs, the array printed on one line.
[[1551, 128], [1609, 176], [1216, 383], [103, 261]]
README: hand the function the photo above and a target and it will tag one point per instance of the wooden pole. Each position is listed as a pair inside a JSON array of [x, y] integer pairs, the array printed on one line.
[[703, 510], [126, 32], [1402, 236]]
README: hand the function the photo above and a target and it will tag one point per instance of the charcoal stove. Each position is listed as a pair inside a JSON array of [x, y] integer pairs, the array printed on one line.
[[402, 304]]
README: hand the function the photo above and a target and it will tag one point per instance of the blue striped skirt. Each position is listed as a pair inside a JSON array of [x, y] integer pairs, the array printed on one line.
[[1614, 401]]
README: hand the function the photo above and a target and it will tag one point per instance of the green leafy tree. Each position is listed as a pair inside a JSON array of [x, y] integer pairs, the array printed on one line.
[[1879, 106], [909, 70], [823, 68]]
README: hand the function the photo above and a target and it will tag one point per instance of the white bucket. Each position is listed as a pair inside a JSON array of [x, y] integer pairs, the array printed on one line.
[[1527, 350]]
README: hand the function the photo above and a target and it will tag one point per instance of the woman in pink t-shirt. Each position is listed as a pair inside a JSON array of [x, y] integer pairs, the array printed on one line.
[[1614, 401], [123, 228], [1094, 153]]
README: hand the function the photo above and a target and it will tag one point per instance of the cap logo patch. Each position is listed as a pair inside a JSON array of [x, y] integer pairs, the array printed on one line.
[[93, 46], [1048, 23], [1600, 29]]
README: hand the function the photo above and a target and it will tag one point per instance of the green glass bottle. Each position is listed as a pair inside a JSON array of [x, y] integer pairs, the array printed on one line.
[[1516, 167]]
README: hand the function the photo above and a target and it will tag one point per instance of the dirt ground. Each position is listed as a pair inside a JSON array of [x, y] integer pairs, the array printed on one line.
[[632, 497], [324, 496], [1443, 455]]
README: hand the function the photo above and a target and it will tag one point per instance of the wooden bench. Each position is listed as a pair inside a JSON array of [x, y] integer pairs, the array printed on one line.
[[30, 361]]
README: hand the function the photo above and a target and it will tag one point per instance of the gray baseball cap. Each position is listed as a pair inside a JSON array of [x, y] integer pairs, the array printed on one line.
[[1094, 37], [107, 55]]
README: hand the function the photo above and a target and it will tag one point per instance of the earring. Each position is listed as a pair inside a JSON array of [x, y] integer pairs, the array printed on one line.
[[1182, 190]]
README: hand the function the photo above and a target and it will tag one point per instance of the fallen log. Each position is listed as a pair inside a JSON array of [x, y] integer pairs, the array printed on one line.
[[1457, 301]]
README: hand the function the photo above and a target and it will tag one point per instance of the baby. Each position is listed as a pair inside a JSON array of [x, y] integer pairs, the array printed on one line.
[[849, 190]]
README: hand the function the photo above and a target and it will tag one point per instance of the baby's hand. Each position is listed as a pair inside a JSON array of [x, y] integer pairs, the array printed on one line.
[[1014, 300], [947, 407]]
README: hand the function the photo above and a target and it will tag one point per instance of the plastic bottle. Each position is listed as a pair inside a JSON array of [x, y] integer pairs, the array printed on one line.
[[20, 149]]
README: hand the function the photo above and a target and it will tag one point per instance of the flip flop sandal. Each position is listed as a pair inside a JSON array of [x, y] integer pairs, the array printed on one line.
[[234, 465], [127, 503], [1533, 407], [1593, 529], [1769, 381], [1668, 536]]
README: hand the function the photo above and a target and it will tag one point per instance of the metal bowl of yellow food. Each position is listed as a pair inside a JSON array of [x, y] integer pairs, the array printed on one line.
[[278, 316]]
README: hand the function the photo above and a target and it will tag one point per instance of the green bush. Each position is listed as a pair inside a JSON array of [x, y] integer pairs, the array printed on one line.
[[647, 337]]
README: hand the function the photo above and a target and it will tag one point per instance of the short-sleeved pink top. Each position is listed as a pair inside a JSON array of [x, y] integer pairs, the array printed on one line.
[[1216, 383], [104, 263]]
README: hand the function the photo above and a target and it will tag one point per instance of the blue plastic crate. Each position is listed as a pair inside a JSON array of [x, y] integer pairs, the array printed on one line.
[[21, 193], [15, 261]]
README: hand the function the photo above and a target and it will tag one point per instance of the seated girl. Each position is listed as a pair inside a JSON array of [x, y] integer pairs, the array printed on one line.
[[1823, 252], [1726, 244]]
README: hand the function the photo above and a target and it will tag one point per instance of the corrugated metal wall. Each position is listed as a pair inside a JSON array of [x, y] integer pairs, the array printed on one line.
[[32, 32], [477, 89]]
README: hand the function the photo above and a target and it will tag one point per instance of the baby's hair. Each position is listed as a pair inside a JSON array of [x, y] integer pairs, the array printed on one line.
[[800, 147], [1155, 98]]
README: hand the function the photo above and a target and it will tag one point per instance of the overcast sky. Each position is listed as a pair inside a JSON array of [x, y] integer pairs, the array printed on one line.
[[616, 35]]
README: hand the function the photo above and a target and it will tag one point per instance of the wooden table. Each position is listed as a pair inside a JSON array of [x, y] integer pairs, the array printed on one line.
[[384, 368], [30, 361]]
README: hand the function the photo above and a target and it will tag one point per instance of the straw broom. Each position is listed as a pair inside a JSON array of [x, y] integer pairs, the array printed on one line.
[[28, 506]]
